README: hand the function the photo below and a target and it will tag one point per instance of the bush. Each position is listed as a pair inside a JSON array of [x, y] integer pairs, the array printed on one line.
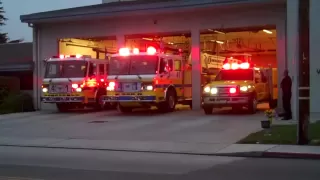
[[16, 102]]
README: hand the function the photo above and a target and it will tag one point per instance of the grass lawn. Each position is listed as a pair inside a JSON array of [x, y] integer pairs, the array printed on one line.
[[283, 134]]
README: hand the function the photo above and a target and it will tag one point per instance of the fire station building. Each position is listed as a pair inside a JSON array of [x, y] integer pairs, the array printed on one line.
[[120, 21]]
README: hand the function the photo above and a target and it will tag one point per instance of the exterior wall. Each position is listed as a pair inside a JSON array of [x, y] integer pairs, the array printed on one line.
[[216, 18], [293, 51], [314, 59]]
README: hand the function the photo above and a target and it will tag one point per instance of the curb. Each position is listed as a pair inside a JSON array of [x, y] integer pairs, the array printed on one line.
[[252, 154], [291, 155]]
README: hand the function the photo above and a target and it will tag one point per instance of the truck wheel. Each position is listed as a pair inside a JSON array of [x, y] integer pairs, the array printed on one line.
[[123, 109], [62, 107], [170, 104], [252, 106], [207, 110]]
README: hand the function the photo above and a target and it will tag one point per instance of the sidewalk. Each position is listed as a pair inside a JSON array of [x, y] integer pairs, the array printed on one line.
[[242, 150]]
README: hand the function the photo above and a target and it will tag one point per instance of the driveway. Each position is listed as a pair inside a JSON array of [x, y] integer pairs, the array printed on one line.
[[183, 126]]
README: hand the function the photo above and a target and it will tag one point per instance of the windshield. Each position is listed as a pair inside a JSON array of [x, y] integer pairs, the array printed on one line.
[[235, 75], [66, 69], [127, 65]]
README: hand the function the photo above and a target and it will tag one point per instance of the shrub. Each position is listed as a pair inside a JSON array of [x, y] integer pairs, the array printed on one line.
[[16, 102]]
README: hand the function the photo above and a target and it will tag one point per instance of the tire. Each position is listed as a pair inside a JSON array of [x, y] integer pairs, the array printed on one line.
[[170, 104], [252, 105], [98, 105], [207, 110], [62, 107], [123, 109]]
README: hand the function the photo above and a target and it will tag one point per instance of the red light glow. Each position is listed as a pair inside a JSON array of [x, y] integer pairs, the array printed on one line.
[[151, 50], [232, 90]]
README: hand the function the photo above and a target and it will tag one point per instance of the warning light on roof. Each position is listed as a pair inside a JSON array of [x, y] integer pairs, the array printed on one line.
[[124, 51], [234, 66], [135, 51], [61, 56], [78, 55], [151, 50]]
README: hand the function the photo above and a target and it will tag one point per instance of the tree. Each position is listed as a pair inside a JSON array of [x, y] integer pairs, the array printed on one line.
[[3, 36]]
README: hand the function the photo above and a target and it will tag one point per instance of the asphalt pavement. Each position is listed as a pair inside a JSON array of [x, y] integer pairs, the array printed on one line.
[[37, 163]]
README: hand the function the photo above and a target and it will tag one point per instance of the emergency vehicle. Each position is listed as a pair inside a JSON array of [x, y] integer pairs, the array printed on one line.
[[74, 81], [239, 85], [146, 79]]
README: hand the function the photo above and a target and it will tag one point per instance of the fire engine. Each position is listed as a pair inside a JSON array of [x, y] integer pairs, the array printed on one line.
[[146, 79], [238, 85], [74, 81]]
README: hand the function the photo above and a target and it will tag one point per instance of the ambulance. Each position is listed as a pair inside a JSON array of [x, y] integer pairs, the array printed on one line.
[[144, 79], [239, 84], [74, 81]]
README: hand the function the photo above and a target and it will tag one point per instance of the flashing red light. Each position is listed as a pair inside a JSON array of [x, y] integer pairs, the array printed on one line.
[[232, 90], [245, 65], [151, 50], [136, 51], [226, 66], [91, 82], [78, 55], [75, 86], [234, 66], [124, 51], [61, 56]]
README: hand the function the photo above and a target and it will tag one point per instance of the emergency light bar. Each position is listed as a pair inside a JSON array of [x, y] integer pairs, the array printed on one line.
[[126, 51], [235, 66], [61, 56]]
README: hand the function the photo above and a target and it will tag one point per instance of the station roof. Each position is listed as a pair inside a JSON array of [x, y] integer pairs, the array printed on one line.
[[122, 8]]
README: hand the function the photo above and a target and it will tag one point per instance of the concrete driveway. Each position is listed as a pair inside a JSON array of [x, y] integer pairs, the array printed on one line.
[[183, 126]]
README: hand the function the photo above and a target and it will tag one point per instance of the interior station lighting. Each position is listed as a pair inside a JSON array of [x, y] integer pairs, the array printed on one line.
[[267, 31]]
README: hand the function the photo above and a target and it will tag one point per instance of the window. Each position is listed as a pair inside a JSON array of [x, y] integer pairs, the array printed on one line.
[[170, 64], [101, 69], [93, 69]]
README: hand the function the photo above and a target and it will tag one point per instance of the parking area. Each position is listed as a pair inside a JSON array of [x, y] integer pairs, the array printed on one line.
[[182, 126]]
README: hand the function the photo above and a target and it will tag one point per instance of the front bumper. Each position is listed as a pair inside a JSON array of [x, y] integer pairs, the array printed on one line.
[[225, 100], [132, 98], [62, 99]]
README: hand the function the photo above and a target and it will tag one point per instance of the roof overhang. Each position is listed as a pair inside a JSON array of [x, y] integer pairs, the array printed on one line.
[[111, 11], [16, 67]]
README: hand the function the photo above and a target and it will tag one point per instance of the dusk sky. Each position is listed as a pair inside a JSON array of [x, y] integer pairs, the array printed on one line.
[[15, 8]]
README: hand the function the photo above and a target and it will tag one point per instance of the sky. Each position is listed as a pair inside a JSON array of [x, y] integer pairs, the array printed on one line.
[[15, 8]]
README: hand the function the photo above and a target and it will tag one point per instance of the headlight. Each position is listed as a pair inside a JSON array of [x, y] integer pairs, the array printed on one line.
[[207, 89], [244, 88], [78, 90], [149, 87], [44, 90], [214, 90]]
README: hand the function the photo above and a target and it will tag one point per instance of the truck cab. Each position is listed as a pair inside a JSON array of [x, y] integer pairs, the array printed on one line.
[[146, 79], [74, 81]]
